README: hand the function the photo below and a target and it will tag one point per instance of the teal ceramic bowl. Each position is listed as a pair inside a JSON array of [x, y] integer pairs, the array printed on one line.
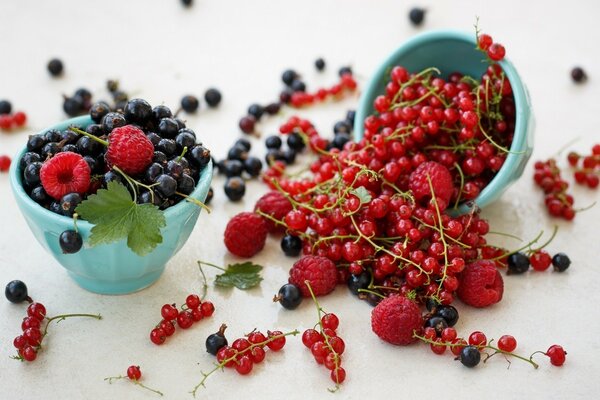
[[111, 268], [451, 51]]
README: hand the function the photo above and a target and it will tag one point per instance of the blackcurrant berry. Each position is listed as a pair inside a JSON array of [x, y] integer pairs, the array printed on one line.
[[138, 111], [159, 157], [289, 156], [289, 76], [187, 3], [237, 153], [578, 75], [84, 94], [160, 112], [295, 141], [73, 106], [342, 127], [431, 304], [166, 185], [449, 313], [69, 202], [5, 107], [247, 124], [561, 262], [298, 86], [153, 172], [52, 136], [437, 323], [272, 108], [199, 155], [289, 296], [31, 175], [256, 110], [350, 117], [347, 70], [273, 142], [416, 16], [16, 291], [55, 67], [232, 168], [320, 64], [245, 143], [235, 188], [291, 245], [29, 158], [470, 356], [95, 129], [168, 128], [373, 298], [167, 146], [184, 139], [113, 120], [216, 341], [253, 166], [212, 97], [340, 140], [190, 103], [36, 142], [86, 146], [111, 176], [356, 282], [180, 123], [518, 263], [174, 168], [49, 150], [186, 184], [153, 137], [39, 195], [70, 242]]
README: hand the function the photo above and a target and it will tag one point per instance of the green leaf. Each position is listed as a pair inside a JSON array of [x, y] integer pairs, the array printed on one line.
[[116, 216], [242, 276], [363, 194]]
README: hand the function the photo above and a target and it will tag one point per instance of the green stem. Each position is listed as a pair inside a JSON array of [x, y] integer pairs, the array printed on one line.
[[134, 381], [65, 316], [462, 184], [194, 201], [204, 282], [211, 265], [84, 133], [442, 237], [185, 149], [554, 231]]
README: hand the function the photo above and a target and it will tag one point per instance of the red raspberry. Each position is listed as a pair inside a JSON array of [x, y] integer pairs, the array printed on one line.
[[276, 205], [4, 163], [246, 234], [65, 173], [129, 149], [441, 181], [319, 271], [395, 319], [481, 285]]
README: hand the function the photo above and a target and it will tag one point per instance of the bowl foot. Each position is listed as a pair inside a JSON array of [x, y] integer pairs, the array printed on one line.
[[117, 287]]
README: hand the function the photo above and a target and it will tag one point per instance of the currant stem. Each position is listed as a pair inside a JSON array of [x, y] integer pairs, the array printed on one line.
[[110, 379], [194, 201], [226, 361], [204, 282], [210, 265], [84, 133], [65, 316], [487, 346]]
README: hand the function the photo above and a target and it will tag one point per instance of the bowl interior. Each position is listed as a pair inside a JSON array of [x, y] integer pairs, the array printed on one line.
[[451, 51]]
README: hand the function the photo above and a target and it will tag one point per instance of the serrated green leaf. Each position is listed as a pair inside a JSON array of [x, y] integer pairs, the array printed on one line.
[[116, 216], [242, 275], [363, 194]]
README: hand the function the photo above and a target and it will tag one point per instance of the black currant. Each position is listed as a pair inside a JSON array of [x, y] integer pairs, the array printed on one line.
[[160, 112], [73, 106], [31, 174], [209, 196], [36, 142], [87, 146], [273, 142], [174, 168], [216, 341], [95, 129], [111, 176], [29, 158], [39, 195], [298, 86], [347, 70], [578, 75], [99, 110], [237, 153], [184, 139], [153, 172], [470, 356], [52, 136], [84, 94], [69, 202], [449, 313], [138, 111], [55, 67], [180, 123], [69, 137], [5, 107], [55, 207], [373, 298], [113, 120], [289, 156], [199, 155], [356, 282], [212, 97], [235, 188], [320, 64], [186, 184], [272, 108], [69, 147], [295, 141], [167, 146], [70, 242], [289, 76], [16, 291], [160, 157], [518, 263], [253, 166], [291, 245], [168, 128], [256, 110], [49, 150], [561, 262], [350, 115], [416, 16], [245, 143], [437, 323], [166, 185], [153, 137], [431, 304], [340, 140], [190, 103], [289, 296]]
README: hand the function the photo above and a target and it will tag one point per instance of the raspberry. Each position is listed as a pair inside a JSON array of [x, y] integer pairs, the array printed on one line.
[[481, 285], [129, 149], [441, 181], [245, 234], [65, 173], [276, 205], [319, 271], [395, 319]]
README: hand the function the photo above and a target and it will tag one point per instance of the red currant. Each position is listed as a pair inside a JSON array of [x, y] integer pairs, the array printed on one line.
[[192, 301], [244, 365], [478, 339], [557, 355], [36, 310], [169, 312], [158, 336], [276, 343], [507, 343], [310, 337], [134, 373], [330, 321], [207, 308], [185, 319]]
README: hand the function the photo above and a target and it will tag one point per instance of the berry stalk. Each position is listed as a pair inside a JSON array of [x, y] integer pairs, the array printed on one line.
[[110, 379]]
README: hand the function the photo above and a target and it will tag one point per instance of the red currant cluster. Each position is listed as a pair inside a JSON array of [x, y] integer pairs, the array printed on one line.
[[134, 374], [587, 172], [495, 51], [347, 83], [469, 352], [558, 202], [194, 310], [8, 119], [4, 163], [245, 352]]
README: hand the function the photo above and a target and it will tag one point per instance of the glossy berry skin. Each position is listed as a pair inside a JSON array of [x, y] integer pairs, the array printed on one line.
[[55, 67], [289, 296], [29, 353], [98, 111], [244, 365], [557, 355], [216, 342], [134, 373], [16, 291], [518, 263], [207, 308], [247, 124], [470, 356], [507, 343], [416, 16], [192, 301], [166, 185], [190, 103], [5, 107], [477, 338], [212, 97], [437, 323], [496, 52], [338, 375], [169, 312], [561, 262], [277, 343], [320, 64], [253, 166], [273, 142], [540, 260], [310, 337], [356, 282], [235, 188], [70, 242], [138, 111], [185, 319], [578, 75], [330, 321], [158, 336], [291, 245], [449, 313], [36, 310], [69, 202], [256, 110]]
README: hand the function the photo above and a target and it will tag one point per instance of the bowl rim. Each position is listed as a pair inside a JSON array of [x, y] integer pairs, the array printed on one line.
[[19, 192], [518, 146]]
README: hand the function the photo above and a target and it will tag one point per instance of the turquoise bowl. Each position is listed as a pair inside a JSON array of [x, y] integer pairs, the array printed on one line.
[[452, 51], [110, 268]]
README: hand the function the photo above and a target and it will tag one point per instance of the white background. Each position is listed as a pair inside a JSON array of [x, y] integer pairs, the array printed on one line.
[[161, 51]]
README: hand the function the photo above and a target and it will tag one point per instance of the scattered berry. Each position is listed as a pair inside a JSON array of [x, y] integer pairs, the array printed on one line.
[[245, 234], [16, 292], [289, 296], [216, 341], [578, 75], [481, 285], [320, 272], [55, 67], [416, 16], [395, 319]]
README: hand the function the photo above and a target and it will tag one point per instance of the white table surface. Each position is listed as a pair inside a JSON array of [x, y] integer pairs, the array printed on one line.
[[161, 51]]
